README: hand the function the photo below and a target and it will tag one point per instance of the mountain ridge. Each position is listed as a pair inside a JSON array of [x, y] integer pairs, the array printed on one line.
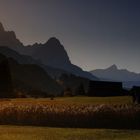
[[112, 73], [52, 53]]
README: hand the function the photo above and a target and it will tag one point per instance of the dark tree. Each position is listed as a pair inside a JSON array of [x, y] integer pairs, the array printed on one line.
[[135, 92], [80, 90], [68, 92], [6, 88]]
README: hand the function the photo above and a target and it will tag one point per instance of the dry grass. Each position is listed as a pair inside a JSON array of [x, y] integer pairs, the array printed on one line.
[[47, 133], [79, 100], [63, 114]]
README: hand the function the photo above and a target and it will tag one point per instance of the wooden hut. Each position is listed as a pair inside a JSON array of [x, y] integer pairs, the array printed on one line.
[[105, 88]]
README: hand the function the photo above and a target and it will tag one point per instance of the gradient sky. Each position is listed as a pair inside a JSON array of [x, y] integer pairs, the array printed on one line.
[[95, 33]]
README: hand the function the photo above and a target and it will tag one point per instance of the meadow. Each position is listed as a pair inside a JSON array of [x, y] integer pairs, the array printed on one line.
[[72, 112], [70, 118], [76, 100], [48, 133]]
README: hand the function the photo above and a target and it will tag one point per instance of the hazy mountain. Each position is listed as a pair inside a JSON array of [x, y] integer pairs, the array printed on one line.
[[21, 68], [130, 84], [32, 77], [51, 53], [25, 77], [114, 74], [24, 59], [72, 82]]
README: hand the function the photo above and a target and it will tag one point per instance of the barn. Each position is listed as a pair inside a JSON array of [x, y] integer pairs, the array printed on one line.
[[105, 88]]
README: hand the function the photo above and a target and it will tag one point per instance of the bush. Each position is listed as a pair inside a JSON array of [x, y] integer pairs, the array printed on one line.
[[68, 92]]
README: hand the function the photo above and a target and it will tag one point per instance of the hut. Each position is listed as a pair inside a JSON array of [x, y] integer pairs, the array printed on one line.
[[105, 88]]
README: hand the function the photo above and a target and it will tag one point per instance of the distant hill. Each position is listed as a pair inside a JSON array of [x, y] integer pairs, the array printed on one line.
[[51, 53], [24, 59], [112, 73], [32, 77], [29, 78], [26, 62], [73, 82]]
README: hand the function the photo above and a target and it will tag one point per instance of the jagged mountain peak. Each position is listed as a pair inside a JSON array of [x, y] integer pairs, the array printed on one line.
[[113, 67], [8, 38], [52, 53], [54, 44], [115, 74], [53, 41]]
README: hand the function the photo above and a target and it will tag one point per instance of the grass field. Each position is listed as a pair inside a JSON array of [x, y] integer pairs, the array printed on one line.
[[97, 100], [11, 132], [78, 100], [79, 112], [46, 133]]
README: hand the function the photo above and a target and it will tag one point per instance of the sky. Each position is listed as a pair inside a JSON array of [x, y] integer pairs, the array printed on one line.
[[95, 33]]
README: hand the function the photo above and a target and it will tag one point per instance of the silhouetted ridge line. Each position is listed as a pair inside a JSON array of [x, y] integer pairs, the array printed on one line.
[[52, 53], [112, 73]]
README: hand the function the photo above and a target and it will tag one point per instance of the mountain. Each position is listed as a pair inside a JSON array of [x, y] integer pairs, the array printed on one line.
[[51, 53], [72, 82], [25, 59], [8, 38], [24, 70], [30, 77], [112, 73], [22, 59]]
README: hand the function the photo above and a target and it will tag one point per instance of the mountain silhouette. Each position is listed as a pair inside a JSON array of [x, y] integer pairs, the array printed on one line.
[[25, 59], [72, 82], [30, 77], [24, 70], [51, 53], [22, 59], [112, 73], [113, 67], [8, 38]]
